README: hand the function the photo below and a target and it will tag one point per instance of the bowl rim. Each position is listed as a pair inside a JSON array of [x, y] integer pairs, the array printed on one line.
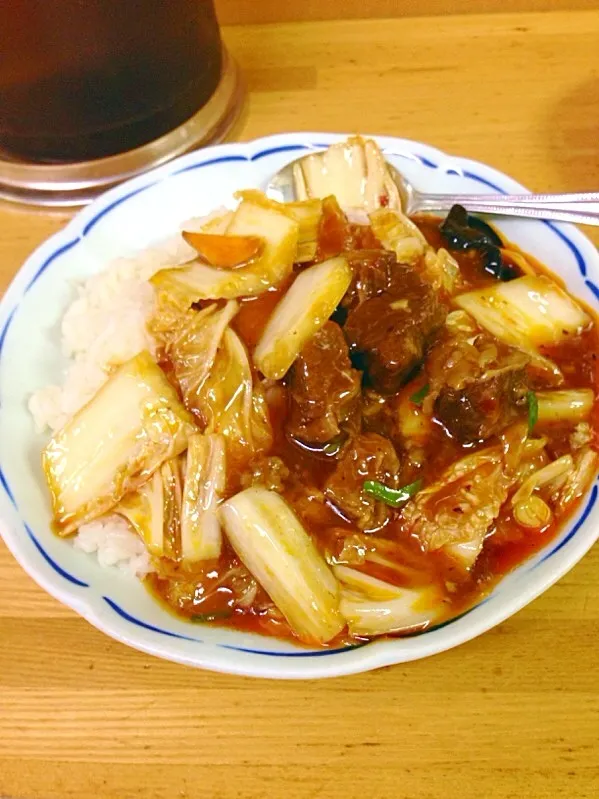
[[118, 623]]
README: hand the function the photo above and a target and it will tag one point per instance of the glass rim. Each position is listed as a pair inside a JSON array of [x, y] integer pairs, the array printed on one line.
[[76, 184]]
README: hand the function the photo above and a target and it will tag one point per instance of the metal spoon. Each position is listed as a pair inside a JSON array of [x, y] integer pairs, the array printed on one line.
[[582, 208]]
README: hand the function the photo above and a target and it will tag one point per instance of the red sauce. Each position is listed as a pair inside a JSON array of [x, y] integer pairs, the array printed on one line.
[[210, 589], [254, 313]]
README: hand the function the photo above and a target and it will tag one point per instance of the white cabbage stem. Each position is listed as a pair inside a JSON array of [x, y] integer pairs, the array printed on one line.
[[205, 482], [305, 308], [115, 443], [543, 476], [355, 171], [527, 312], [375, 607]]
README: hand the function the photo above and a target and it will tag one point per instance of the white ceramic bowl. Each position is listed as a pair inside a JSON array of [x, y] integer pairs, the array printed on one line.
[[134, 216]]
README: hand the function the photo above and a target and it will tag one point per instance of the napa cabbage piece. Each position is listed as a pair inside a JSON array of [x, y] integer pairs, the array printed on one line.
[[255, 216], [153, 511], [170, 473], [144, 510], [398, 233], [459, 508], [203, 489], [374, 607], [527, 312], [533, 513], [554, 487], [442, 271], [115, 443], [273, 545], [308, 215], [560, 467], [234, 404], [175, 511], [194, 334], [558, 483], [456, 512], [575, 482], [358, 581], [192, 340], [306, 306], [407, 613], [566, 405], [582, 435], [212, 368], [354, 171]]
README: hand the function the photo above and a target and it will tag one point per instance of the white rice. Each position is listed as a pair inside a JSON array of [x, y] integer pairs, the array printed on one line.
[[104, 327], [114, 544]]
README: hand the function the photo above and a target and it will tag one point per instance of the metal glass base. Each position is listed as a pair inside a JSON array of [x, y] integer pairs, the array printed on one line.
[[69, 185]]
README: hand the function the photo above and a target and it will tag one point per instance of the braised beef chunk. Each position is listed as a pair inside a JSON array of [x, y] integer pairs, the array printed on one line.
[[478, 385], [481, 410], [324, 388], [369, 456], [379, 415], [373, 272], [394, 329]]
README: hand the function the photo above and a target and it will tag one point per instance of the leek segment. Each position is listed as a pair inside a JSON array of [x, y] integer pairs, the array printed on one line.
[[566, 405], [270, 540], [114, 444]]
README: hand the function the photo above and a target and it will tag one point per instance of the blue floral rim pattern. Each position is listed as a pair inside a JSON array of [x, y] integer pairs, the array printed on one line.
[[115, 607]]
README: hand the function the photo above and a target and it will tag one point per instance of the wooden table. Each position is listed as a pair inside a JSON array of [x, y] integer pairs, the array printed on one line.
[[510, 715]]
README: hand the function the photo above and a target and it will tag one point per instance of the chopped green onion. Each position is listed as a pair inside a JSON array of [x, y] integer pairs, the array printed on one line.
[[214, 616], [418, 396], [533, 410], [391, 496]]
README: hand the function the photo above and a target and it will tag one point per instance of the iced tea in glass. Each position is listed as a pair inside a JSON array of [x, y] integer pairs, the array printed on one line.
[[84, 79]]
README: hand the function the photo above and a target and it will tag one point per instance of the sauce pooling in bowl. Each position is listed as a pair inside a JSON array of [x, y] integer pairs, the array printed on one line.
[[463, 392]]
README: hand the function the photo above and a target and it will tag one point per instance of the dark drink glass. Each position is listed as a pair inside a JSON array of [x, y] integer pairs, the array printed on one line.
[[86, 79]]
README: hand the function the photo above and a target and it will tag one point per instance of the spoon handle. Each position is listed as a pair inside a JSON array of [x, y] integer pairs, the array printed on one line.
[[582, 208]]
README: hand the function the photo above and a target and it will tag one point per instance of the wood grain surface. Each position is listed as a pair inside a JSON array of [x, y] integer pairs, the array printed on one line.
[[511, 715], [235, 12]]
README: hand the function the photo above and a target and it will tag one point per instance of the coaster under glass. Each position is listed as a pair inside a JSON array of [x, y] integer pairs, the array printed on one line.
[[69, 185]]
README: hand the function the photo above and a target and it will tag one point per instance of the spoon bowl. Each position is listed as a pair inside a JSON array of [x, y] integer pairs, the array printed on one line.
[[582, 207]]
